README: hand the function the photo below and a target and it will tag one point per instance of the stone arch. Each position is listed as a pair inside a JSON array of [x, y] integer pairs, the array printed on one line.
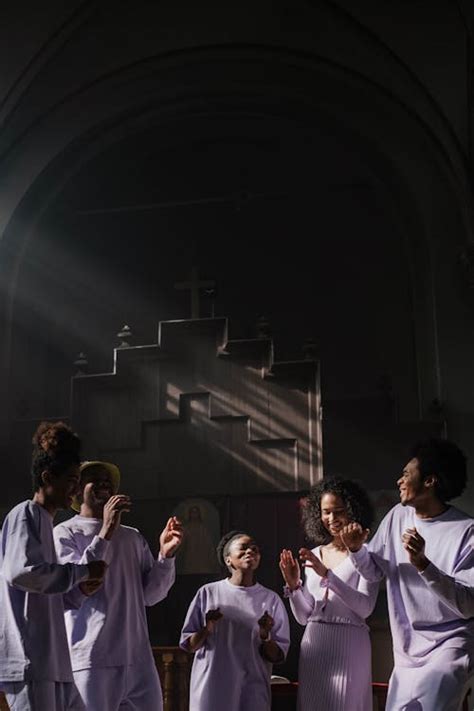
[[401, 149]]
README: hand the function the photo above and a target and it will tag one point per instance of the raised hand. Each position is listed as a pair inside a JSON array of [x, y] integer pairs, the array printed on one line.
[[354, 536], [171, 537], [290, 569], [113, 510], [265, 624], [212, 618], [310, 560], [414, 544]]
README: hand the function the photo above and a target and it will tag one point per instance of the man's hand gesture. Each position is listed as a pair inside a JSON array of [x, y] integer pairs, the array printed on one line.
[[89, 587], [95, 580], [414, 544], [171, 537], [113, 510], [354, 536]]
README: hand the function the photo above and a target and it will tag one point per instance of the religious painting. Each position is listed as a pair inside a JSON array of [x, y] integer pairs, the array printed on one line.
[[201, 522]]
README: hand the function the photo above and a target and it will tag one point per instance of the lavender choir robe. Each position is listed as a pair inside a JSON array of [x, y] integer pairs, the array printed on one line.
[[34, 655], [431, 613], [228, 670], [108, 638]]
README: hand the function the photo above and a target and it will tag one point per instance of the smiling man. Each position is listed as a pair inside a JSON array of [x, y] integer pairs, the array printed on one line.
[[424, 548], [111, 656]]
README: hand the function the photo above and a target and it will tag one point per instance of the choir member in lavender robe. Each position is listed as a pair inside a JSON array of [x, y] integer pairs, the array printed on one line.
[[237, 629], [333, 603], [424, 548], [111, 656], [35, 668]]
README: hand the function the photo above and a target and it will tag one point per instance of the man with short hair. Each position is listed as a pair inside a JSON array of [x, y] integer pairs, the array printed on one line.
[[35, 667], [111, 656], [424, 548]]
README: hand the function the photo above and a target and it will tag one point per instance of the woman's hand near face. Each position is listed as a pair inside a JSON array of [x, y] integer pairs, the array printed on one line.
[[310, 560], [290, 569]]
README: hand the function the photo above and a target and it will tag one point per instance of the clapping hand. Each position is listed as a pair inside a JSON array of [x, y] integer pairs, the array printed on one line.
[[290, 569], [310, 560]]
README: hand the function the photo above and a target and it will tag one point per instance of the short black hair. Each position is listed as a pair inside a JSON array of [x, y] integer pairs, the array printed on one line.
[[356, 501], [223, 546], [445, 461], [55, 448]]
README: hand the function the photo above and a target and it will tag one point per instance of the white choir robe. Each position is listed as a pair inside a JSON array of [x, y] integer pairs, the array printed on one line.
[[431, 613], [228, 671], [35, 667], [108, 639]]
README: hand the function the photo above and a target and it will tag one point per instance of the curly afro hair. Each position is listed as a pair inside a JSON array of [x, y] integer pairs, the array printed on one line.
[[55, 448], [445, 461], [223, 546], [356, 501]]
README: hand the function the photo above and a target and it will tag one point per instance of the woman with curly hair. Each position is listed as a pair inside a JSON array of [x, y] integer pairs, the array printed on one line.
[[238, 629], [333, 602], [35, 669]]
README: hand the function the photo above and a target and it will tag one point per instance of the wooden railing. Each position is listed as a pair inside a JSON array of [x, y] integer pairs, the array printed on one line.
[[174, 668]]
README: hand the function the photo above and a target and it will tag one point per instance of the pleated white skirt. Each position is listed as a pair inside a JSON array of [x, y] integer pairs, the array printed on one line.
[[335, 668]]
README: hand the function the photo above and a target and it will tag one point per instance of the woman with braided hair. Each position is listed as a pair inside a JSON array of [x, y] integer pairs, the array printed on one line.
[[238, 629], [35, 668]]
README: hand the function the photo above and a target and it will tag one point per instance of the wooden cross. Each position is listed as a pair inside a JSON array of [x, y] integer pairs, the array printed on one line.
[[194, 285]]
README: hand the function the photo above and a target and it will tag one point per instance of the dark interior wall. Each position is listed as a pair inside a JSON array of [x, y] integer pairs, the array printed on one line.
[[301, 232], [285, 217], [437, 55], [356, 299]]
